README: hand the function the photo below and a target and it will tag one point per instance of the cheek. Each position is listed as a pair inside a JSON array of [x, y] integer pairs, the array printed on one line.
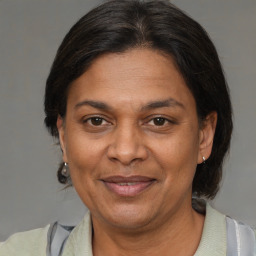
[[84, 157], [177, 155], [83, 154]]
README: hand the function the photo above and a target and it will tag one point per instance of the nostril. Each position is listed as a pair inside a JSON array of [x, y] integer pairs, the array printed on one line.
[[126, 145], [127, 155]]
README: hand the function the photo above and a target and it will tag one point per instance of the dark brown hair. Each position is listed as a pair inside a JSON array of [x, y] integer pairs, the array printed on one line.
[[117, 26]]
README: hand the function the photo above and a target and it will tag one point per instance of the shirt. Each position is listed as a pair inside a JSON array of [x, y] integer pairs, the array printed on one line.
[[79, 242]]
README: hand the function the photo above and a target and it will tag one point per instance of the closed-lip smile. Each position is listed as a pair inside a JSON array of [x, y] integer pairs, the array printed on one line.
[[127, 186]]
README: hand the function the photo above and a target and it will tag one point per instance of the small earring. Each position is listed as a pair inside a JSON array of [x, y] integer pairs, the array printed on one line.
[[65, 170], [204, 159]]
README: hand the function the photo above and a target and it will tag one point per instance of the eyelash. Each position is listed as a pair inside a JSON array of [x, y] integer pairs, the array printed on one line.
[[162, 120], [90, 119]]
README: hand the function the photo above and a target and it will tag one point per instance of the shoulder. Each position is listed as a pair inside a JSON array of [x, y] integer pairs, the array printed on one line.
[[223, 235], [239, 237], [27, 243]]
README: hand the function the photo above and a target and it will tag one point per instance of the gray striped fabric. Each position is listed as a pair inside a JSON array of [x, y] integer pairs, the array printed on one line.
[[240, 239], [57, 237]]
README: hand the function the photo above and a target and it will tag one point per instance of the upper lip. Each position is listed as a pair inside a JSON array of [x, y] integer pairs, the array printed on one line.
[[124, 179]]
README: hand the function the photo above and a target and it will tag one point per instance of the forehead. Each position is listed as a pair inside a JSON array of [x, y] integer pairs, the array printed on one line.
[[137, 76]]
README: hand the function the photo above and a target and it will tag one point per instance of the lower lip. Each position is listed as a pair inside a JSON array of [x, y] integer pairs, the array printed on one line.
[[128, 190]]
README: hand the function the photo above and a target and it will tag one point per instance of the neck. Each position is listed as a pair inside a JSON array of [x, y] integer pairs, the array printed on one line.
[[179, 235]]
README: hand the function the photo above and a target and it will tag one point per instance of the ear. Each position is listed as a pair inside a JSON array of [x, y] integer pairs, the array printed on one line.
[[206, 136], [61, 129]]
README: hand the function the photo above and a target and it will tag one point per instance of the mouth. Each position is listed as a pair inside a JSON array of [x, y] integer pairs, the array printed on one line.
[[128, 186]]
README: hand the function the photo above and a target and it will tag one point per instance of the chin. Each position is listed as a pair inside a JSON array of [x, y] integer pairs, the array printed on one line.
[[129, 218]]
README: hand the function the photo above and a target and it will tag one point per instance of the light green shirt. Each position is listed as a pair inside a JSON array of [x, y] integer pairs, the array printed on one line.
[[79, 243]]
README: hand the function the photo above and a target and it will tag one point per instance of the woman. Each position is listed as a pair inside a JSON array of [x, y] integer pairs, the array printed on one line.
[[138, 101]]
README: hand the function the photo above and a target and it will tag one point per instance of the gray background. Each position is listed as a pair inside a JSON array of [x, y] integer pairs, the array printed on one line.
[[30, 33]]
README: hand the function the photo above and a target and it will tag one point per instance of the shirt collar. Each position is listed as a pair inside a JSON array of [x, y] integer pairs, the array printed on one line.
[[79, 242], [213, 241]]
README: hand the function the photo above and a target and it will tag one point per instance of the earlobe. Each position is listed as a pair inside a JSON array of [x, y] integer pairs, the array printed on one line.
[[61, 130], [206, 137]]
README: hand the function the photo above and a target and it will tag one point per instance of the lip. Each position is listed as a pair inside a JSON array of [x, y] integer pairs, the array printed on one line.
[[128, 186]]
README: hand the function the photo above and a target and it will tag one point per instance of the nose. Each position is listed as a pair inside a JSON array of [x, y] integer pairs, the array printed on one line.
[[127, 146]]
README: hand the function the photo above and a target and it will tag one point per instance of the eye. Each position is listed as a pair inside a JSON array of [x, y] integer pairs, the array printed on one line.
[[158, 121], [161, 123], [95, 121]]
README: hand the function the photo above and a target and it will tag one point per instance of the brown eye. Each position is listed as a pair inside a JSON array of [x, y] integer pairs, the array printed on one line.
[[158, 121], [96, 121]]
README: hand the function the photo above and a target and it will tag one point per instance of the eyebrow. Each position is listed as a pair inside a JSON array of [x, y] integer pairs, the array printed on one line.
[[162, 104], [151, 105], [94, 104]]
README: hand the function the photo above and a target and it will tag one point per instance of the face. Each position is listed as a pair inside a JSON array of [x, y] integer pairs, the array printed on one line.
[[132, 139]]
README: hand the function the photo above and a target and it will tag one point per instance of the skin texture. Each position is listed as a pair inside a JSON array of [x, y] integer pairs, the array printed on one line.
[[132, 115]]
